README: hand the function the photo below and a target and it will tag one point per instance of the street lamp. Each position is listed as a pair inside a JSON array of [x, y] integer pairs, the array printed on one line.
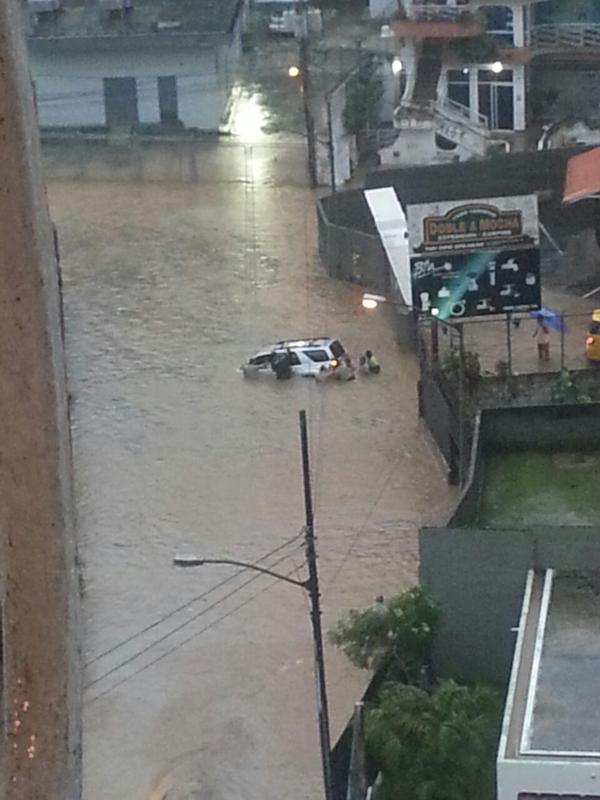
[[397, 66], [371, 301], [293, 71], [311, 586], [497, 67]]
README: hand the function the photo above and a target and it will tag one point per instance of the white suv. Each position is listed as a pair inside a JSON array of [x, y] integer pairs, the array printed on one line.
[[306, 356]]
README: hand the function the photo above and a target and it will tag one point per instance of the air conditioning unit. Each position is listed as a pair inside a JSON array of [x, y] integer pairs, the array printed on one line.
[[43, 6]]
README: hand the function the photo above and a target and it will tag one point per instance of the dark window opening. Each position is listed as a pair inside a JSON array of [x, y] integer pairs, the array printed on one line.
[[317, 355], [121, 101], [167, 99]]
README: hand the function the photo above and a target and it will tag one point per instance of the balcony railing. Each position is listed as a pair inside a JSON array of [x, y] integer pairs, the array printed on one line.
[[436, 11], [566, 36]]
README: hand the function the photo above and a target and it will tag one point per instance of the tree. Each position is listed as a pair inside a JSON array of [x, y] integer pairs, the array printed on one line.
[[437, 745], [394, 637], [364, 91]]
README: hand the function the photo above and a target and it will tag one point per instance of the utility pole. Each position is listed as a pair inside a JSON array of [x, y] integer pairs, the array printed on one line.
[[313, 590], [302, 34], [311, 586], [330, 145]]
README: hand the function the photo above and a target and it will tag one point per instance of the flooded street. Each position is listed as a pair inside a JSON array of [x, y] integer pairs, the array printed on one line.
[[199, 682]]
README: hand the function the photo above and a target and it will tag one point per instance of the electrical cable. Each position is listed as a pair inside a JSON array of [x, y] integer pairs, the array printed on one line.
[[184, 642], [179, 627], [185, 605]]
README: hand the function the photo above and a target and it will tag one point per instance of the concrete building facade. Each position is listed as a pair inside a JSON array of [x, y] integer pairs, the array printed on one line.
[[135, 66], [549, 745]]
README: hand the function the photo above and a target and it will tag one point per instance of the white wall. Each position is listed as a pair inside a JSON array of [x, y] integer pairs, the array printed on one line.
[[520, 97], [69, 101], [70, 89], [547, 777], [380, 9]]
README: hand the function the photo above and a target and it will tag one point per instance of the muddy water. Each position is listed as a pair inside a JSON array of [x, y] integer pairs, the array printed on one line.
[[199, 682]]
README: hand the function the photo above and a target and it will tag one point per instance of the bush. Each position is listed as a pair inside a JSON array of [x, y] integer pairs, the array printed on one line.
[[394, 637]]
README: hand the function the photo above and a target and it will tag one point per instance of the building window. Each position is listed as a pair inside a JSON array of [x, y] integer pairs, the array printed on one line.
[[496, 99], [499, 23], [121, 101], [458, 87], [167, 98]]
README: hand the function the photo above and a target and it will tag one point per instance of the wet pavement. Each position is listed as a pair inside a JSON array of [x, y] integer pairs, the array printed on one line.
[[199, 682]]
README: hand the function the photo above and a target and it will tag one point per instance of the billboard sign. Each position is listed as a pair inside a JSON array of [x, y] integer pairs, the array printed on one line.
[[452, 226], [481, 283]]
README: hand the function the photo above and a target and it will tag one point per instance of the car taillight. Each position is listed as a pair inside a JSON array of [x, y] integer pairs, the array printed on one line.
[[590, 341]]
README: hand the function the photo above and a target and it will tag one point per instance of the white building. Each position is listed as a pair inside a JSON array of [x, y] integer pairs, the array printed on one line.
[[550, 742], [127, 64], [465, 78]]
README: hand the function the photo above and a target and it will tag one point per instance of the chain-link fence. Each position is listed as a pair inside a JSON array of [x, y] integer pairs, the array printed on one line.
[[487, 363]]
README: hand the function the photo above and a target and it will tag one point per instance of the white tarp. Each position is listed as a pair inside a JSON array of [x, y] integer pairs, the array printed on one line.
[[391, 223]]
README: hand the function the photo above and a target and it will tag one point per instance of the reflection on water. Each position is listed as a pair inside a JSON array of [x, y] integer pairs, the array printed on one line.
[[249, 117]]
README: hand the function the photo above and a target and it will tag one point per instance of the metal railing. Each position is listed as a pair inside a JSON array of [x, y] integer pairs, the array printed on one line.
[[434, 12], [566, 36], [463, 113]]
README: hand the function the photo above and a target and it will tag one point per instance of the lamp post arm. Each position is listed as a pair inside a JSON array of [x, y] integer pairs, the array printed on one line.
[[192, 561]]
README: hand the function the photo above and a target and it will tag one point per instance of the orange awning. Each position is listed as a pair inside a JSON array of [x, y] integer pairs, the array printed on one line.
[[583, 176]]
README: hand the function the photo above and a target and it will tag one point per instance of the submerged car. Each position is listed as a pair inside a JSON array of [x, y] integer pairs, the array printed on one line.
[[592, 342], [305, 356]]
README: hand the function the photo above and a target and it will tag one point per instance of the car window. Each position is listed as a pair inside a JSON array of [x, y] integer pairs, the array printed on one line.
[[294, 360], [260, 360], [336, 348], [317, 355]]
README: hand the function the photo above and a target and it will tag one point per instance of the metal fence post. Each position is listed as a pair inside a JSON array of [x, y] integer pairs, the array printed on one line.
[[562, 340], [461, 404], [508, 343]]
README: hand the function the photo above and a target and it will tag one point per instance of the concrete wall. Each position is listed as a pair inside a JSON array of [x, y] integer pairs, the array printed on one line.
[[478, 577], [544, 777], [553, 427], [69, 88], [38, 575]]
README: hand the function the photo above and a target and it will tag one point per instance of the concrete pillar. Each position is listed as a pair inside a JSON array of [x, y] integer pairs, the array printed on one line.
[[474, 92], [520, 97], [40, 741], [519, 26]]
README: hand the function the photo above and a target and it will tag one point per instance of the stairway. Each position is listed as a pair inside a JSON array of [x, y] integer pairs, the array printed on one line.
[[428, 72]]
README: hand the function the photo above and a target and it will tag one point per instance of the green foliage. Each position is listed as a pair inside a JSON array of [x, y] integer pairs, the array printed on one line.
[[395, 637], [364, 91], [570, 388], [437, 745], [471, 367]]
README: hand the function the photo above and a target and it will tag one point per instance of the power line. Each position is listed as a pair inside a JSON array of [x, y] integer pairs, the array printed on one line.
[[188, 603], [186, 641]]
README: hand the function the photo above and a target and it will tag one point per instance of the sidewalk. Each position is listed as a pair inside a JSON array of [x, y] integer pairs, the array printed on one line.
[[488, 338]]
